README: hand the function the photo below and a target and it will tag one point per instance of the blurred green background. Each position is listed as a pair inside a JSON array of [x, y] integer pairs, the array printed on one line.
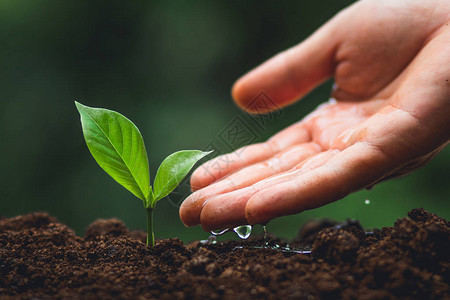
[[168, 66]]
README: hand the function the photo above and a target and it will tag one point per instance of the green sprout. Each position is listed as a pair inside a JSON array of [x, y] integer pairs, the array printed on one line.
[[118, 147]]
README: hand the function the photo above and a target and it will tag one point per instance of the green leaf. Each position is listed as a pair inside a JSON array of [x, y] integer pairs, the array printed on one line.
[[172, 170], [117, 146]]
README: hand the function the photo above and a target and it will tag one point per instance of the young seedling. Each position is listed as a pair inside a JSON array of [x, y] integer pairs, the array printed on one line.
[[118, 147]]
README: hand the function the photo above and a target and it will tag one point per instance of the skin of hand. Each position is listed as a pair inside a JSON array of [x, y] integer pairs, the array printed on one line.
[[391, 64]]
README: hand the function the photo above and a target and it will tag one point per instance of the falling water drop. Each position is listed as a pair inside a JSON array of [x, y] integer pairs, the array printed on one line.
[[219, 231], [367, 201], [243, 231], [266, 241]]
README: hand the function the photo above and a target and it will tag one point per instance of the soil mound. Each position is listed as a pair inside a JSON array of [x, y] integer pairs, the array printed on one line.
[[41, 258]]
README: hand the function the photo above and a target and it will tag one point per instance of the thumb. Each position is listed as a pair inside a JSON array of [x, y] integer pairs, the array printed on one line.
[[289, 75]]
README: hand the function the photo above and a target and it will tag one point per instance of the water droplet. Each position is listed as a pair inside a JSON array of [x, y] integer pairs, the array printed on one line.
[[243, 231], [367, 202], [279, 248], [210, 241], [300, 251], [219, 231]]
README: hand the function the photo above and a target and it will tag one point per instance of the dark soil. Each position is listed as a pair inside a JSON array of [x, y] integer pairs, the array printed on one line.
[[41, 258]]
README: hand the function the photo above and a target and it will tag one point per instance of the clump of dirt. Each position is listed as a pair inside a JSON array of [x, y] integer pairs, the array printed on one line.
[[42, 258]]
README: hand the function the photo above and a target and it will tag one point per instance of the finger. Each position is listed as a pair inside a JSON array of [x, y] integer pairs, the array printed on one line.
[[289, 75], [225, 210], [191, 208], [280, 162], [344, 173], [223, 165], [228, 210]]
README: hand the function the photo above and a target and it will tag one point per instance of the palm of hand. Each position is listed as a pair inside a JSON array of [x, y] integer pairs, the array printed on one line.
[[391, 117]]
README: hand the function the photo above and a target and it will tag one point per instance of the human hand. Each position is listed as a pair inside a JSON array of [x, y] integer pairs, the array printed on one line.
[[391, 65]]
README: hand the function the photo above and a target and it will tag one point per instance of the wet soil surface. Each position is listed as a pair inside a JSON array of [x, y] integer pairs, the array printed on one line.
[[41, 258]]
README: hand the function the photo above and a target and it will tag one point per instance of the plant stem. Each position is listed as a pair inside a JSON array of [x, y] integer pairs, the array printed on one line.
[[150, 235]]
